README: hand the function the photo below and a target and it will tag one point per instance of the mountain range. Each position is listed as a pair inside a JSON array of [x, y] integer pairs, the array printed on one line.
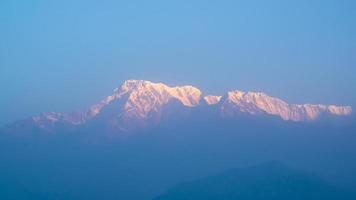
[[137, 104], [148, 140]]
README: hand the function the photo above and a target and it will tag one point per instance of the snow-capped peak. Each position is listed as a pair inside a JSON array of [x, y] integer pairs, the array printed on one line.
[[211, 99], [144, 97], [140, 102], [259, 103]]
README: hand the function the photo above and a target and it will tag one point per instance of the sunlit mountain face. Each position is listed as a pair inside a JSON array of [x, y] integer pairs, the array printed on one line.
[[139, 104], [148, 140], [177, 100]]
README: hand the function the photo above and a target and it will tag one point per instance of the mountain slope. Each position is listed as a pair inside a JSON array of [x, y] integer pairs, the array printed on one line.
[[260, 103], [266, 181], [137, 104]]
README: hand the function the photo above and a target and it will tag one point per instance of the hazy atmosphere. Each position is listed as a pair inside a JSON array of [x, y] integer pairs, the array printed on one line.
[[178, 100], [65, 55]]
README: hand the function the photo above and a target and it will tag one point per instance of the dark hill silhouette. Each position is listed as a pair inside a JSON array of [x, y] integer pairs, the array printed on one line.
[[271, 180]]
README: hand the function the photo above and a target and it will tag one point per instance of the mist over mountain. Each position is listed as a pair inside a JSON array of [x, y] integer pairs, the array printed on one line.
[[266, 110], [138, 104], [88, 164], [271, 180], [147, 137]]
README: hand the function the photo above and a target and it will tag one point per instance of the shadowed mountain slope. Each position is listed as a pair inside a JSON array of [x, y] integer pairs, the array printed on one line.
[[271, 180]]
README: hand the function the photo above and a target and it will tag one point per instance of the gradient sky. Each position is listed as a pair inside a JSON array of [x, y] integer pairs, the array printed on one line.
[[64, 55]]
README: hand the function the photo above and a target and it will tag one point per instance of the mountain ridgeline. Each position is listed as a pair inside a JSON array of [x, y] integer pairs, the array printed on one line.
[[148, 140], [139, 104], [270, 180]]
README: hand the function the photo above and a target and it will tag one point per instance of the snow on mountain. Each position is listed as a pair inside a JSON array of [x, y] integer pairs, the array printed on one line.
[[139, 102], [211, 99], [256, 103], [144, 97]]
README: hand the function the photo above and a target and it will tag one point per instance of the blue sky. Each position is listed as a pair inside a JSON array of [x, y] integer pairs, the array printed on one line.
[[64, 55]]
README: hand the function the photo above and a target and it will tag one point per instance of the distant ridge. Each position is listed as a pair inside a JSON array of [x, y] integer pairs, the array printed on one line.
[[139, 103], [270, 180]]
